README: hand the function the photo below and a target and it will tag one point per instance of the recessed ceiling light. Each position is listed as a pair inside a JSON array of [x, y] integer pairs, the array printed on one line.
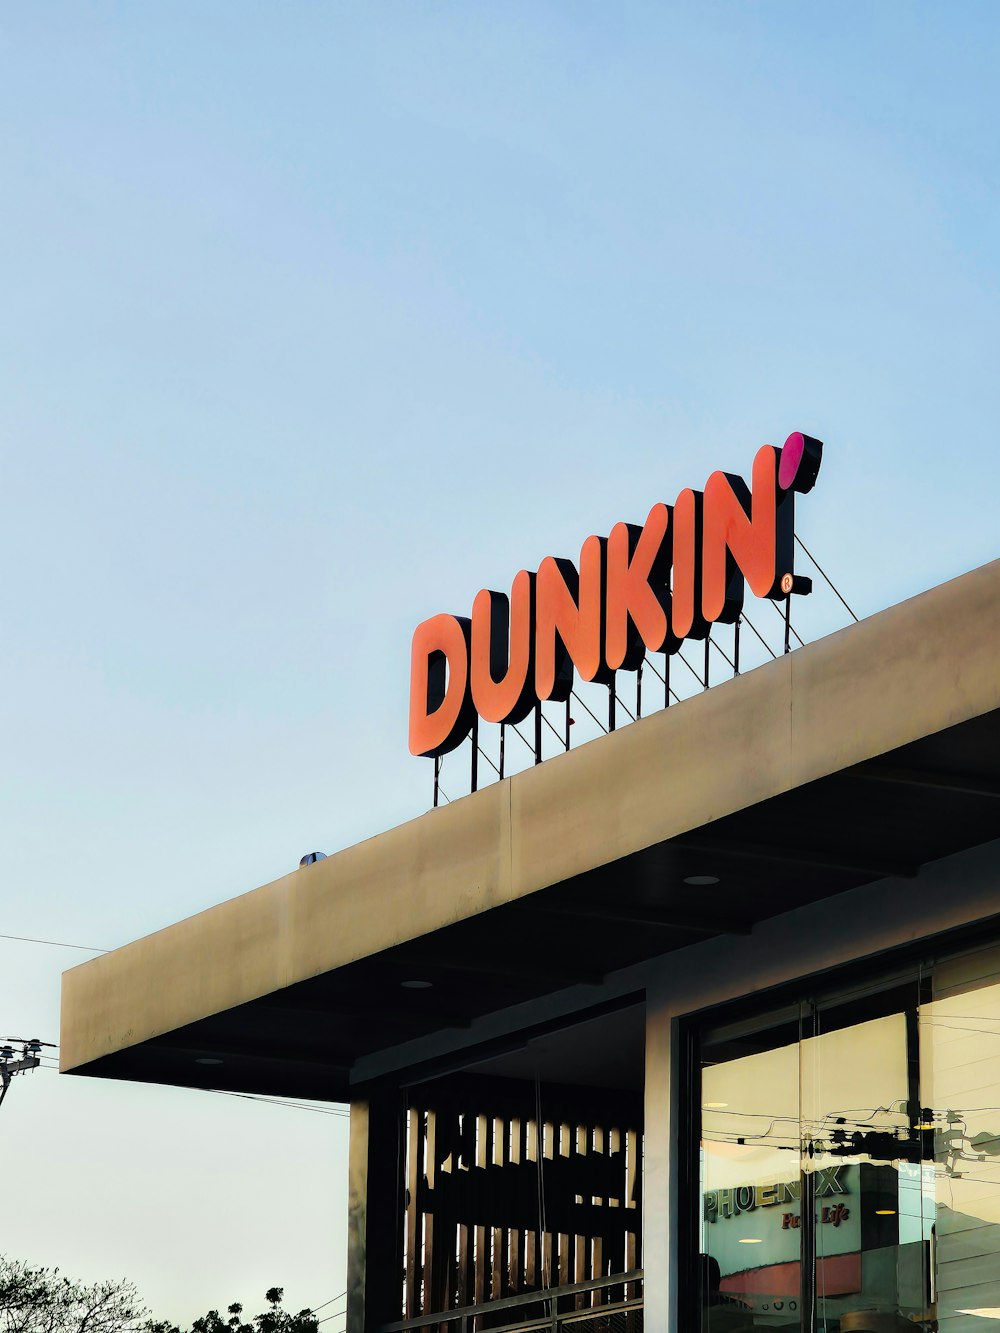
[[700, 881], [714, 1106], [885, 1212], [417, 985], [207, 1060], [751, 1240]]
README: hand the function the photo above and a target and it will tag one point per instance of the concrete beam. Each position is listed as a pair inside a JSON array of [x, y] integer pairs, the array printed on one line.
[[906, 673]]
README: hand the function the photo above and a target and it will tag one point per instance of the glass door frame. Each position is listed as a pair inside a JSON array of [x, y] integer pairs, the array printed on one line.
[[871, 991]]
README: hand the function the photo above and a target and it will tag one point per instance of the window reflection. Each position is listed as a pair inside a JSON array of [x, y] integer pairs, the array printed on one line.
[[960, 1068], [850, 1164], [751, 1181], [857, 1121]]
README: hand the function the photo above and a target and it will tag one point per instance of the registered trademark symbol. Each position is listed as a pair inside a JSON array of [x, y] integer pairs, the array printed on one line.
[[787, 581]]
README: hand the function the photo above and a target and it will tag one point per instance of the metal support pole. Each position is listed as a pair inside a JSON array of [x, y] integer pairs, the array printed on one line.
[[437, 779], [538, 732], [736, 645], [638, 692], [708, 645], [788, 623], [666, 680], [503, 743], [611, 705], [474, 778], [569, 723]]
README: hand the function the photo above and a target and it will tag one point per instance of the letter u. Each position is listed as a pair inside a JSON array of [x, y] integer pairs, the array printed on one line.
[[502, 659]]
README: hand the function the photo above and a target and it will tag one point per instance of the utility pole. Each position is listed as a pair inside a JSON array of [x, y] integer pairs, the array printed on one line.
[[12, 1062]]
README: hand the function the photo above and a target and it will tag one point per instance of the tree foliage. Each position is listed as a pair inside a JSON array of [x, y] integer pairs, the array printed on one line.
[[42, 1300], [272, 1320]]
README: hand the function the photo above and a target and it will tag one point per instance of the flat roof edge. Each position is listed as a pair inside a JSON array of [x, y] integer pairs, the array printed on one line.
[[909, 671]]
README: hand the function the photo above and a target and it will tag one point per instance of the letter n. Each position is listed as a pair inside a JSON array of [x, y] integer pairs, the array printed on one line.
[[440, 701], [687, 621], [569, 621], [747, 536]]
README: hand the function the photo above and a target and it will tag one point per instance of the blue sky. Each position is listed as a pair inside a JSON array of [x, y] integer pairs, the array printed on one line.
[[319, 317]]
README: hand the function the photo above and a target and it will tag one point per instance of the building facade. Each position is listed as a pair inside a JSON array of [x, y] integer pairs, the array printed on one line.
[[695, 1027]]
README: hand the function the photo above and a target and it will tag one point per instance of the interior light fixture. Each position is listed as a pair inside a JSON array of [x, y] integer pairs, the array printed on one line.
[[417, 985], [714, 1106], [701, 881], [207, 1060], [751, 1240], [984, 1312], [885, 1212]]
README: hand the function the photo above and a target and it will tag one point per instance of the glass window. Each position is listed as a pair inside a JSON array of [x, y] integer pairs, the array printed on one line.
[[809, 1163], [960, 1091], [751, 1243], [850, 1161]]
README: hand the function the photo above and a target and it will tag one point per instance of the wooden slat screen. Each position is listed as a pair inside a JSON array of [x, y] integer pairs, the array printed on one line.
[[514, 1186]]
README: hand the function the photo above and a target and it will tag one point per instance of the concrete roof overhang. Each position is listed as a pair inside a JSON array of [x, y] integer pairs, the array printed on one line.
[[862, 756]]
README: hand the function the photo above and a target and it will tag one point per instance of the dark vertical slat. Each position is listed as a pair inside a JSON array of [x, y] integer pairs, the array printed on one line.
[[615, 1154], [615, 1246], [516, 1251], [412, 1210], [435, 1221], [599, 1267], [549, 1147], [506, 1199], [581, 1271], [497, 1161], [632, 1259], [564, 1151], [467, 1244], [482, 1138], [532, 1241]]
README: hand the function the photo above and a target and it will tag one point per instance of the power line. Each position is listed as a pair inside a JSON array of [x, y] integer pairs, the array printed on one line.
[[56, 944], [50, 1062], [276, 1101], [340, 1297]]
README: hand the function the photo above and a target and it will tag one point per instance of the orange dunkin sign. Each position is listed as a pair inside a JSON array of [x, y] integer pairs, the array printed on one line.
[[643, 588]]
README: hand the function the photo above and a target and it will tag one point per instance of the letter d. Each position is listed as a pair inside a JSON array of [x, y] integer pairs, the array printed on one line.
[[441, 710]]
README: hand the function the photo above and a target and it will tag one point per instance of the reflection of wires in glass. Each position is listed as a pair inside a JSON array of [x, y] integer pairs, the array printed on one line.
[[972, 1018], [959, 1027], [851, 1115], [752, 1115], [924, 1136], [750, 1141]]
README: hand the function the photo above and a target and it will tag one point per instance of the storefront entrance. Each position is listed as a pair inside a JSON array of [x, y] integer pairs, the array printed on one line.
[[850, 1159]]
